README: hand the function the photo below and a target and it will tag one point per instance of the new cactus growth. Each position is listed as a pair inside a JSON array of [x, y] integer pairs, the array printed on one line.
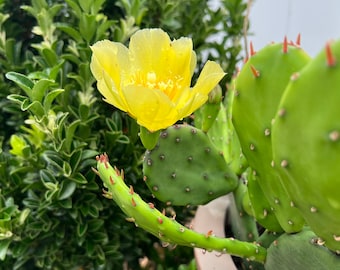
[[258, 90], [147, 217], [306, 143]]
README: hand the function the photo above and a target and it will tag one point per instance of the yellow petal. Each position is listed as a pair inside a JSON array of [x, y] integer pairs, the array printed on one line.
[[111, 93], [149, 50], [182, 60], [210, 75], [112, 57], [151, 108]]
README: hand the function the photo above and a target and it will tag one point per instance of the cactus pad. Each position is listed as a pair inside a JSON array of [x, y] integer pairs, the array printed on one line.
[[185, 168], [258, 90], [306, 143], [300, 251]]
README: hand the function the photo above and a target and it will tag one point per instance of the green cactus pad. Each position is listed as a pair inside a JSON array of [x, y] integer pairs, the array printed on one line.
[[185, 168], [258, 90], [306, 143], [300, 251]]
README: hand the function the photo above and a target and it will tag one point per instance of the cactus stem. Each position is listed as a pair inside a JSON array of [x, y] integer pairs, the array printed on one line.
[[255, 72], [251, 47], [165, 228], [298, 40], [329, 55], [285, 45]]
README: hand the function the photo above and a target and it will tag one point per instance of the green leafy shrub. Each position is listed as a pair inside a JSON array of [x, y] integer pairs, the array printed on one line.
[[53, 123]]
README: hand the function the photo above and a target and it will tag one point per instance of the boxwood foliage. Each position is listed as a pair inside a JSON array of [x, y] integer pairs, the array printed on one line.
[[53, 123]]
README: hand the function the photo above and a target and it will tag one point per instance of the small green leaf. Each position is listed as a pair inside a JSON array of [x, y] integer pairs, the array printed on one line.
[[73, 33], [22, 81], [66, 189], [84, 111], [67, 203], [50, 56], [19, 99], [34, 107], [67, 169], [39, 89], [95, 224], [78, 178], [81, 229], [10, 50], [4, 245], [50, 97], [88, 26]]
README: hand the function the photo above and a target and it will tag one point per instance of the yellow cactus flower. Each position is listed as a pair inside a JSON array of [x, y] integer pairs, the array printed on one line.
[[151, 80]]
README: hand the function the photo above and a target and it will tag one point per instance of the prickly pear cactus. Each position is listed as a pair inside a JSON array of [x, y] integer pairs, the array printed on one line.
[[300, 251], [306, 143], [258, 90], [186, 168], [147, 217]]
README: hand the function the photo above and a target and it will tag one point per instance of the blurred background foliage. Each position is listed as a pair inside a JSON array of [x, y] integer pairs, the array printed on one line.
[[53, 123]]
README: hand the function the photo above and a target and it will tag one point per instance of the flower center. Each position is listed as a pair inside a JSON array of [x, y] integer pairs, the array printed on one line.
[[168, 86]]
